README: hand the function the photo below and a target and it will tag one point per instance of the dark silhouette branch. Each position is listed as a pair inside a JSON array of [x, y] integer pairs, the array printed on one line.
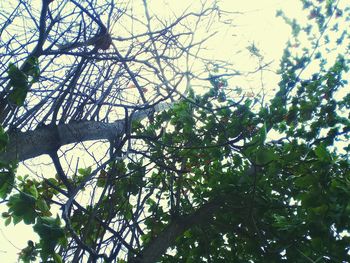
[[159, 245]]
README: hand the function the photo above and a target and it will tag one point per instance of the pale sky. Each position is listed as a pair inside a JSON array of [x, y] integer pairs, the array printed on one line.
[[257, 24]]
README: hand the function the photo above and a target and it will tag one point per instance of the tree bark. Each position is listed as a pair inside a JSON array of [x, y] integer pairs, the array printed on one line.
[[46, 139], [159, 245]]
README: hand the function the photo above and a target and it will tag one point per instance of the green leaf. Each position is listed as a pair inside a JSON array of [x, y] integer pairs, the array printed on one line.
[[4, 139], [264, 156], [8, 221], [320, 210], [29, 253], [33, 69], [322, 153], [57, 258], [48, 228], [18, 95], [33, 191], [50, 232], [23, 207], [17, 77], [306, 181], [187, 234], [53, 181], [260, 137], [85, 172], [7, 180], [19, 82], [16, 219], [42, 205]]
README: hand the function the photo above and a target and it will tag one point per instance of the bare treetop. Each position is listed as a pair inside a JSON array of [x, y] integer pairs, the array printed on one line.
[[97, 58]]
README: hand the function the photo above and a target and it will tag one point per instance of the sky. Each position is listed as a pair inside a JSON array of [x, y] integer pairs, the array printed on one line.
[[255, 23], [242, 24]]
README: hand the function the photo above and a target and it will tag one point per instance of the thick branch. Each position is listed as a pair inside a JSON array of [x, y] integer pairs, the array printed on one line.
[[47, 139], [159, 245]]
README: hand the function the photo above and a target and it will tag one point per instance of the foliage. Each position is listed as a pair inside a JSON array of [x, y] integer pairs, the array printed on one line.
[[19, 79], [279, 200], [204, 178]]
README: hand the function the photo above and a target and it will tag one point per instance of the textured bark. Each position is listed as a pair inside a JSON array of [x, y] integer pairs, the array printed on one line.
[[159, 245], [45, 140]]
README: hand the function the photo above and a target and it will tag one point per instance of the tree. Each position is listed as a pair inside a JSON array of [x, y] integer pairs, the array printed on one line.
[[188, 177]]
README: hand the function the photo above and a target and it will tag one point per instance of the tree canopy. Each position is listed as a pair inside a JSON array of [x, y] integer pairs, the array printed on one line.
[[178, 175]]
